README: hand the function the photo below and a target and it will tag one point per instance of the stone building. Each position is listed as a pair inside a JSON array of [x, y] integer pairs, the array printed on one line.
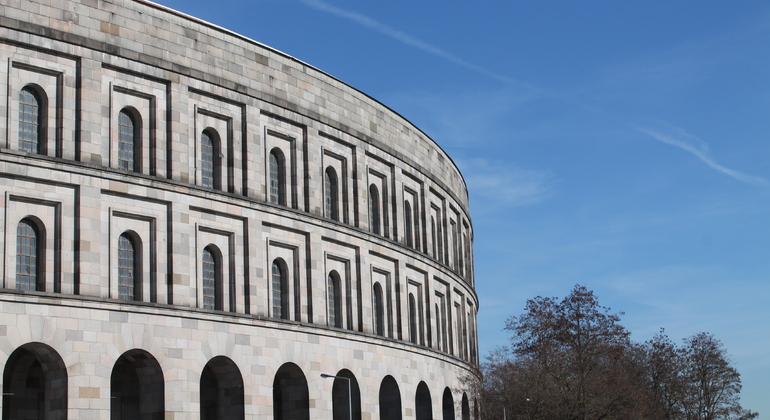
[[196, 225]]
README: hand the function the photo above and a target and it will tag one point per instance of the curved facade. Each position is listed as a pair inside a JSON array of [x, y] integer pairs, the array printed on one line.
[[198, 226]]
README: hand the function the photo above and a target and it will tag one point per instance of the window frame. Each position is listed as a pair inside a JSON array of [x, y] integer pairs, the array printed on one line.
[[136, 139], [277, 175], [216, 159], [279, 285], [136, 268], [216, 263], [41, 106], [37, 282]]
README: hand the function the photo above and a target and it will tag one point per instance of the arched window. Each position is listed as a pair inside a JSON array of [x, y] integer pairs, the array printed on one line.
[[29, 256], [211, 172], [280, 290], [129, 143], [331, 194], [129, 267], [335, 300], [277, 177], [413, 332], [374, 209], [212, 278], [379, 310], [408, 224], [31, 121]]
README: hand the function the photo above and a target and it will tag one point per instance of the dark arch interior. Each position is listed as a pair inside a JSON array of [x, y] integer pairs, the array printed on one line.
[[35, 384], [340, 397], [466, 408], [137, 389], [448, 405], [221, 390], [291, 400], [390, 399], [422, 402]]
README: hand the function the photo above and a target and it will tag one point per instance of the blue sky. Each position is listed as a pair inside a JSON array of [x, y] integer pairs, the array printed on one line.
[[620, 145]]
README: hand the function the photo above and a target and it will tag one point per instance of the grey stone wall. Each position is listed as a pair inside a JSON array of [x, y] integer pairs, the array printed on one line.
[[179, 77]]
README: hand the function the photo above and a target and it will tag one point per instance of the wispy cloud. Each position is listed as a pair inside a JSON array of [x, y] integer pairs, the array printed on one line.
[[701, 150], [409, 40], [502, 186]]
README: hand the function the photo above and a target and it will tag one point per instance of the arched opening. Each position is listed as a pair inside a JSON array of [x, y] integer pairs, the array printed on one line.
[[212, 278], [277, 177], [331, 194], [340, 404], [390, 399], [423, 405], [374, 209], [448, 405], [221, 390], [334, 290], [280, 286], [466, 408], [291, 400], [211, 161], [35, 384], [379, 310], [137, 387], [30, 261], [129, 266], [32, 113], [129, 140]]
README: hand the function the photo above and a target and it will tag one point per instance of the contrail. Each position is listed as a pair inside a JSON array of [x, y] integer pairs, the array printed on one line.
[[407, 39], [702, 152]]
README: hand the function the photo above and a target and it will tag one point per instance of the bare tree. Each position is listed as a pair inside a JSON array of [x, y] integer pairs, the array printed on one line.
[[713, 386], [571, 359]]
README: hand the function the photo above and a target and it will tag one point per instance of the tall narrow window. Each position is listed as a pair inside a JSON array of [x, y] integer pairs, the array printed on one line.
[[212, 279], [438, 328], [433, 235], [384, 216], [335, 300], [128, 268], [379, 310], [280, 291], [277, 177], [28, 255], [374, 209], [31, 127], [413, 333], [417, 238], [210, 160], [331, 194], [440, 237], [128, 141], [408, 224], [461, 254]]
